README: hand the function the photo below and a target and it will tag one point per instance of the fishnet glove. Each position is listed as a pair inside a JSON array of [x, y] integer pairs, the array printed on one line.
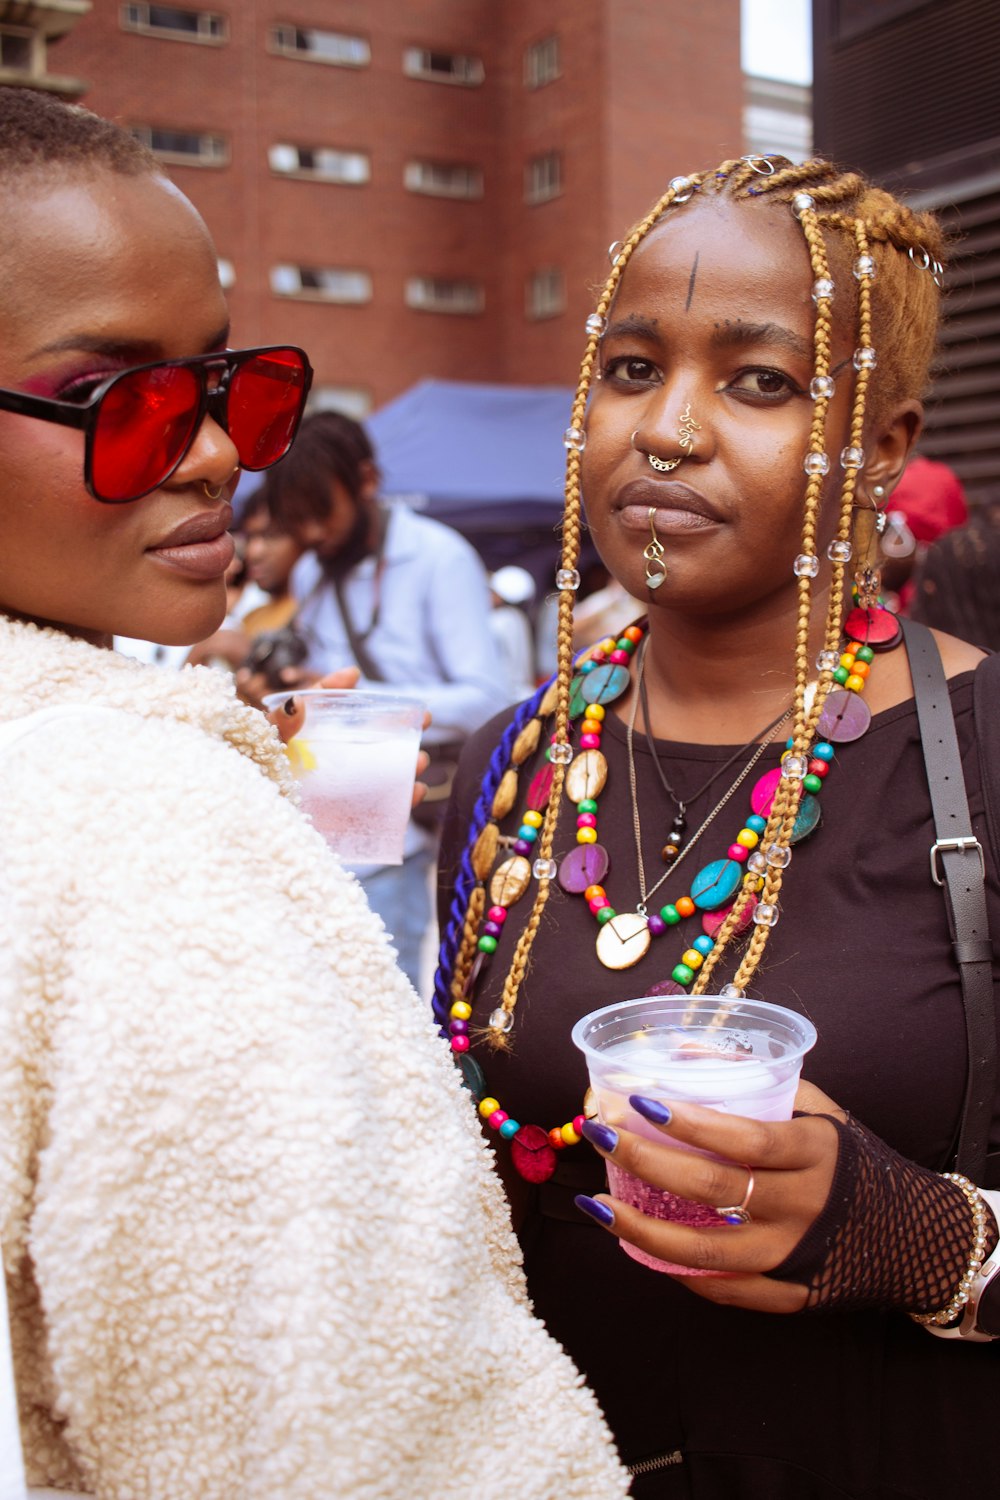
[[891, 1234]]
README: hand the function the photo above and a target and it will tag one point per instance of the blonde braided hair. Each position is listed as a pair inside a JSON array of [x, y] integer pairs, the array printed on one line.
[[848, 226]]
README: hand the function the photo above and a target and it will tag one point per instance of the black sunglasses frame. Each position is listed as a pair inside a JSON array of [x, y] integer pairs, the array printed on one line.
[[212, 402]]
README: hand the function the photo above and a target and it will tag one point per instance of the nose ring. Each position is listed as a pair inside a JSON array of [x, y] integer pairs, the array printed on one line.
[[215, 492], [688, 428], [685, 438], [653, 553]]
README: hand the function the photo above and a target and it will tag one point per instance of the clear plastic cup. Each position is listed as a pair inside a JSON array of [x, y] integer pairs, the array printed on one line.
[[664, 1047], [356, 760]]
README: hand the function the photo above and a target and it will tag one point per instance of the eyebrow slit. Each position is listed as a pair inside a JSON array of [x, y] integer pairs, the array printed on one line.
[[691, 281]]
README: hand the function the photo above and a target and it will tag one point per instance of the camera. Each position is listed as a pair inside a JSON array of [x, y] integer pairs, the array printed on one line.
[[273, 651]]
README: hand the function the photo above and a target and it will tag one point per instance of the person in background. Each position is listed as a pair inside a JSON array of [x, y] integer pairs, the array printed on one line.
[[512, 590], [402, 597], [238, 1189], [264, 603], [928, 502], [271, 554], [957, 587]]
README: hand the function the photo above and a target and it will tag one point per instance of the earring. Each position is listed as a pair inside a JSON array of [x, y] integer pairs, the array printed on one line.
[[897, 538], [653, 553], [866, 526]]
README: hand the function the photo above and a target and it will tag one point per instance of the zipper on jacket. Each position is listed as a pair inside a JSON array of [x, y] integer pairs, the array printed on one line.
[[650, 1465]]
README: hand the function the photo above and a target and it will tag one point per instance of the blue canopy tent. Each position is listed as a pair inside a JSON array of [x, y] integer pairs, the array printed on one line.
[[477, 456], [487, 459]]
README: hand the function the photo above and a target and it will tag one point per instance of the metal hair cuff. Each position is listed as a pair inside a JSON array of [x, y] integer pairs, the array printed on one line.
[[966, 1328]]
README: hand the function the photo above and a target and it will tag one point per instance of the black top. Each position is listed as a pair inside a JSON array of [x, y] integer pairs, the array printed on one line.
[[742, 1404]]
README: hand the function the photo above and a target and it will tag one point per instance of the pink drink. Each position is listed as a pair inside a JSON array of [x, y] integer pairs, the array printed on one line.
[[356, 760], [748, 1066]]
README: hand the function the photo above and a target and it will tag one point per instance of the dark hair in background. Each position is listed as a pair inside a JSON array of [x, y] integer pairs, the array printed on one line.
[[39, 132], [329, 447], [958, 582]]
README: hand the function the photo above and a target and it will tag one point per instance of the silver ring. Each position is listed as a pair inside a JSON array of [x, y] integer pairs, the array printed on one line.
[[737, 1212], [924, 261], [767, 170]]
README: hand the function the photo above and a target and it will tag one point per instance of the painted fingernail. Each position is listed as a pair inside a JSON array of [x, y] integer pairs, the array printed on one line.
[[601, 1136], [289, 707], [599, 1211], [650, 1109]]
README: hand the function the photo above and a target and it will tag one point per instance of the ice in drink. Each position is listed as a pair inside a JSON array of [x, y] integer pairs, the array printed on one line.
[[337, 794], [356, 760]]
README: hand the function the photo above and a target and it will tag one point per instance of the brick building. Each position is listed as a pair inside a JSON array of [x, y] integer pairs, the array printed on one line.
[[408, 190]]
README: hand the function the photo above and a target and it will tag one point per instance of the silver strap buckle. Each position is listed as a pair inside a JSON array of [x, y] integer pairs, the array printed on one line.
[[962, 846]]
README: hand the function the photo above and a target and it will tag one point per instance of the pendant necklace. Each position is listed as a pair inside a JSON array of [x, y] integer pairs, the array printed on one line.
[[625, 938], [672, 847]]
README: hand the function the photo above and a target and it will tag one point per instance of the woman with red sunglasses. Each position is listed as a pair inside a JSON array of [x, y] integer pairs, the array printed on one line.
[[235, 1223]]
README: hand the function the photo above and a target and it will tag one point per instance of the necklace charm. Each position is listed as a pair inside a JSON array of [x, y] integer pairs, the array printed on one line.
[[623, 940], [675, 837]]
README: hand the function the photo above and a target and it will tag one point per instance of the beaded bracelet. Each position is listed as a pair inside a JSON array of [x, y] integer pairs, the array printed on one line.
[[949, 1313]]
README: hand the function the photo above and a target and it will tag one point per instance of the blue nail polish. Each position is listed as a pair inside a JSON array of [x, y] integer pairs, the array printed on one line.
[[650, 1109], [601, 1136], [599, 1211]]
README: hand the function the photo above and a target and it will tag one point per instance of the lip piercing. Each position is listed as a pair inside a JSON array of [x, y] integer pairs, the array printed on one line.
[[653, 553], [737, 1212]]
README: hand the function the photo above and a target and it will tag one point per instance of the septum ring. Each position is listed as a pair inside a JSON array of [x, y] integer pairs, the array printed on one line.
[[737, 1212], [215, 492], [685, 437]]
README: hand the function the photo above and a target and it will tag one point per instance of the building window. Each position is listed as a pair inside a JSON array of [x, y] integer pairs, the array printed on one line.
[[545, 294], [543, 178], [442, 179], [18, 51], [443, 67], [349, 400], [441, 294], [187, 148], [313, 45], [541, 63], [172, 21], [322, 163], [321, 283]]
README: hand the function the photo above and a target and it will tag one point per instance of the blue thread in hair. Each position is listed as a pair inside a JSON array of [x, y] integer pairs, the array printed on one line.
[[465, 881]]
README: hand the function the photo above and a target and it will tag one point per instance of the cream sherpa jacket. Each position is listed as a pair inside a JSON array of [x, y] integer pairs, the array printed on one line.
[[254, 1246]]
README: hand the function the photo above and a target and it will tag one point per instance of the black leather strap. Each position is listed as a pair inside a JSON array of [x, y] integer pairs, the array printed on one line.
[[956, 863]]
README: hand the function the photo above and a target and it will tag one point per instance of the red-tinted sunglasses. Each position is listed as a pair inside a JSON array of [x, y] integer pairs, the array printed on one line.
[[141, 423]]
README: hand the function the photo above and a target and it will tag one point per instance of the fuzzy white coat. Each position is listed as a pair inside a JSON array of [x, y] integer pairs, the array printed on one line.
[[254, 1246]]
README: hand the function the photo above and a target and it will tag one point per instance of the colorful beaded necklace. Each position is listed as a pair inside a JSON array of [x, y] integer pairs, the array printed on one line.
[[601, 677]]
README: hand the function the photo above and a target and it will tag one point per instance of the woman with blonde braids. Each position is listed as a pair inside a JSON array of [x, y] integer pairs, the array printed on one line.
[[730, 797]]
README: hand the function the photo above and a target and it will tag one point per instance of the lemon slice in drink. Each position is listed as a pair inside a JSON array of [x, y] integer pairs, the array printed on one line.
[[300, 756]]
